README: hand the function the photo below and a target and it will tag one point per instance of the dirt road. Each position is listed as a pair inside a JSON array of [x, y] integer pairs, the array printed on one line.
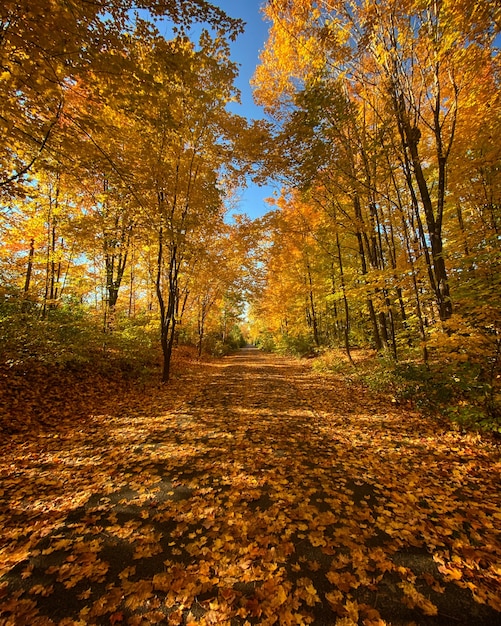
[[268, 494]]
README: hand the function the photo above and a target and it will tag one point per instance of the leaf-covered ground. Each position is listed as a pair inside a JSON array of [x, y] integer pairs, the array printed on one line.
[[253, 491]]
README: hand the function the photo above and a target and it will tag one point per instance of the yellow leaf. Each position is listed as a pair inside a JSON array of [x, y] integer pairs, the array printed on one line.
[[281, 596], [317, 539], [452, 573], [334, 598], [413, 598]]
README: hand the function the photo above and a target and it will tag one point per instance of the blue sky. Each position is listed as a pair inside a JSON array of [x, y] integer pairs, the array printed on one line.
[[245, 52]]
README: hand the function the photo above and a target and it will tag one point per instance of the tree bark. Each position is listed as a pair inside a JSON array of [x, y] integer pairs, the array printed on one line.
[[29, 267], [345, 302], [363, 262]]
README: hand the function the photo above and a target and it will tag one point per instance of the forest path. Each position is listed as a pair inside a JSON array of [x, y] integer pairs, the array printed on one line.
[[263, 493]]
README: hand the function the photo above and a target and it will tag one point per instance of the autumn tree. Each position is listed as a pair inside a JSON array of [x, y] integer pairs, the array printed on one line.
[[183, 140], [372, 101], [121, 137], [46, 46]]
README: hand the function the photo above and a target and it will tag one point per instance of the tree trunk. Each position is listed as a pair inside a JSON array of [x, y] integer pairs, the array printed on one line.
[[29, 267], [167, 312], [410, 136], [116, 250], [345, 302], [363, 263], [314, 321]]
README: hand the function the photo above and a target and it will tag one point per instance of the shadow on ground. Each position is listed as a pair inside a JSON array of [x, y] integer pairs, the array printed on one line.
[[271, 496]]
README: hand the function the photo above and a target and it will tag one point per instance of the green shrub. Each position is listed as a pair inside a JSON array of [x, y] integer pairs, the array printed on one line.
[[457, 390], [68, 335], [295, 346], [266, 342], [72, 336], [235, 339], [477, 417], [462, 390], [134, 345]]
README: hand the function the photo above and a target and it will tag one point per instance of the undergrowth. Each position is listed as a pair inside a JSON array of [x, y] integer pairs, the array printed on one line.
[[72, 339], [467, 393]]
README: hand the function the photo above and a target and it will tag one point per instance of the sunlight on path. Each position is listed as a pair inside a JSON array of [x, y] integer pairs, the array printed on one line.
[[274, 495]]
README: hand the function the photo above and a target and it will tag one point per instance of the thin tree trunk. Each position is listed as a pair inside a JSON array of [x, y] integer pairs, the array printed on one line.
[[131, 311], [410, 136], [408, 246], [161, 304], [345, 302], [29, 267], [419, 312], [363, 262], [337, 330], [314, 321]]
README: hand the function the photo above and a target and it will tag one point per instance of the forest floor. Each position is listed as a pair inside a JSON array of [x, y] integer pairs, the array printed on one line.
[[252, 490]]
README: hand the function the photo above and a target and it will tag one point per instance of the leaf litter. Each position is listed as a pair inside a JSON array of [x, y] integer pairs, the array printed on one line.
[[252, 491]]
